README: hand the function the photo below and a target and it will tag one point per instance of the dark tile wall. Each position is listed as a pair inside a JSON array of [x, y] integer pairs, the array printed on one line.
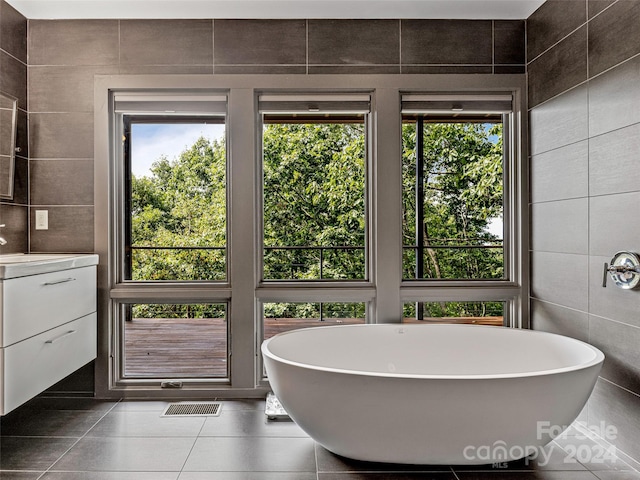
[[13, 81], [64, 56], [584, 100]]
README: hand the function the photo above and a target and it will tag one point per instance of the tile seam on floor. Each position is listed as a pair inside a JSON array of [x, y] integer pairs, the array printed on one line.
[[77, 440]]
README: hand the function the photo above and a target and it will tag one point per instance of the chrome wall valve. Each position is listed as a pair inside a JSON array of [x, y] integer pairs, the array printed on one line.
[[624, 270]]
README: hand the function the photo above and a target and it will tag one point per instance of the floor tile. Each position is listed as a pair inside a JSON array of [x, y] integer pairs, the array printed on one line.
[[539, 475], [126, 454], [141, 406], [110, 476], [52, 423], [247, 476], [552, 457], [252, 454], [591, 454], [32, 453], [249, 423], [330, 462], [611, 475], [20, 475], [72, 403], [243, 404], [387, 476], [146, 424]]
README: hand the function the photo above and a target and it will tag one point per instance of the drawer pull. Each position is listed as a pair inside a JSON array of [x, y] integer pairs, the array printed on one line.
[[62, 280], [54, 340]]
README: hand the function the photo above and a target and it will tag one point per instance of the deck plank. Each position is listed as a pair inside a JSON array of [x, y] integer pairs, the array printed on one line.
[[197, 348]]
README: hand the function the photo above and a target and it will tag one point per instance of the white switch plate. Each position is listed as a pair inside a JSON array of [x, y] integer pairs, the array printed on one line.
[[42, 219]]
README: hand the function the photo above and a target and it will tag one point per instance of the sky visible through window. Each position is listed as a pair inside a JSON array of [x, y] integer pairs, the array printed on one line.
[[152, 141]]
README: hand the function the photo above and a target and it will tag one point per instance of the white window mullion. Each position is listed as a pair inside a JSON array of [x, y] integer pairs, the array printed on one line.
[[387, 217], [242, 237]]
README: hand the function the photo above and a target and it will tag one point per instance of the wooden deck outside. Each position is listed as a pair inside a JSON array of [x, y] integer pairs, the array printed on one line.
[[192, 347]]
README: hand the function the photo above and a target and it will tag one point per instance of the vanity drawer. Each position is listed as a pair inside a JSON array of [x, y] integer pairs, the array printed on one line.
[[33, 365], [40, 302]]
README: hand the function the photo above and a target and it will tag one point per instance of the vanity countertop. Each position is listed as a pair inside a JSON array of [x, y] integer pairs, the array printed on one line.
[[25, 264]]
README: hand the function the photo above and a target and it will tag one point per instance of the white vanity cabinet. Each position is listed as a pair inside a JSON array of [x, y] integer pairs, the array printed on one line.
[[48, 323]]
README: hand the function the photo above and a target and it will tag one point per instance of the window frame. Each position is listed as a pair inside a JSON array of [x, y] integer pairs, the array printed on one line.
[[384, 293], [283, 102], [127, 121]]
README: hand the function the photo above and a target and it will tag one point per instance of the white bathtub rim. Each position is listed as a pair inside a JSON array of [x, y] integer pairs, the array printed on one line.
[[598, 357]]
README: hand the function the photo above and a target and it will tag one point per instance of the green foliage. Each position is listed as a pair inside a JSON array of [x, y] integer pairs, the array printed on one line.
[[182, 204], [455, 309], [313, 310], [167, 310], [314, 196], [462, 193]]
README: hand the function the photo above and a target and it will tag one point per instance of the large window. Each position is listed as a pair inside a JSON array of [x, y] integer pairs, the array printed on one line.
[[453, 168], [172, 231], [314, 168], [295, 202], [175, 173]]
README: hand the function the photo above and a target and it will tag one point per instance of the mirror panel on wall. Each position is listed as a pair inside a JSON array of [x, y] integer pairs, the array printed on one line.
[[8, 113]]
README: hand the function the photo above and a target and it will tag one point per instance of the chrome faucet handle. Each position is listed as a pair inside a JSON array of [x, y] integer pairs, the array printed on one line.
[[3, 225], [624, 270]]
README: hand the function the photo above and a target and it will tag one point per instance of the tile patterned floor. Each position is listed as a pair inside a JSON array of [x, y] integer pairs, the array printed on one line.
[[86, 439]]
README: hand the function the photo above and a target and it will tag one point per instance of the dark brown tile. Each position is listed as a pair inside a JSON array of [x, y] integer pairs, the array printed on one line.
[[447, 42], [509, 42], [15, 232], [552, 318], [13, 32], [330, 462], [126, 455], [560, 122], [61, 135], [166, 42], [73, 42], [618, 342], [166, 69], [559, 69], [21, 475], [260, 69], [617, 408], [537, 475], [65, 88], [596, 6], [47, 423], [560, 173], [553, 21], [447, 69], [387, 476], [614, 36], [70, 231], [61, 182], [354, 42], [13, 78], [509, 69], [259, 42], [24, 453], [354, 69], [614, 98]]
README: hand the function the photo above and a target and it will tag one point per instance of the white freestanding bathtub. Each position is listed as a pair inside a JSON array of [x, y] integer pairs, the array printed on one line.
[[431, 394]]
